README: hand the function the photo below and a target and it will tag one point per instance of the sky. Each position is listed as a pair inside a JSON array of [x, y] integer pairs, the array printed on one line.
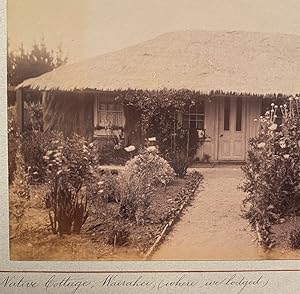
[[87, 28]]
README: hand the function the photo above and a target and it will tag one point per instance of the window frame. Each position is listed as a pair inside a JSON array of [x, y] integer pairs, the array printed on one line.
[[196, 116]]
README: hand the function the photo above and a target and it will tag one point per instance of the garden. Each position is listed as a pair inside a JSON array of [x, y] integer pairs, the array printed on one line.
[[65, 205], [272, 177]]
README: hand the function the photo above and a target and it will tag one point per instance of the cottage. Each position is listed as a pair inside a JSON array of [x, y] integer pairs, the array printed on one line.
[[237, 74]]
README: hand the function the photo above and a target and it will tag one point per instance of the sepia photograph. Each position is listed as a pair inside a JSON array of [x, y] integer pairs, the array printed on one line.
[[153, 130]]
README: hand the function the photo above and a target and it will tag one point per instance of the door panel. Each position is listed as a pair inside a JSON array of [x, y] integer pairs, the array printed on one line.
[[232, 128]]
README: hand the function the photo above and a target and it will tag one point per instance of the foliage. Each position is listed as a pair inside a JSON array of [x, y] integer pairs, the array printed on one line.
[[295, 238], [34, 142], [13, 142], [160, 118], [182, 151], [22, 64], [134, 196], [108, 187], [152, 168], [69, 170], [137, 181], [19, 192], [111, 152], [272, 170]]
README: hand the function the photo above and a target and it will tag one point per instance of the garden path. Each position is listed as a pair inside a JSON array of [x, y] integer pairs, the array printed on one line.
[[212, 229]]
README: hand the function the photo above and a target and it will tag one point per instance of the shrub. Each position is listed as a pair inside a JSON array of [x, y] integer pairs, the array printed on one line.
[[159, 117], [137, 181], [108, 187], [34, 142], [19, 194], [134, 196], [111, 152], [69, 170], [295, 238], [13, 142], [179, 163], [150, 167], [272, 170]]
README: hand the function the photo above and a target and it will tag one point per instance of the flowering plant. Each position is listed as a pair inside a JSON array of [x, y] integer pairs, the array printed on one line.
[[272, 171]]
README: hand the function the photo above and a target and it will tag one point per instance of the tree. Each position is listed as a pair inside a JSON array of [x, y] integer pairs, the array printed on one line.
[[22, 64]]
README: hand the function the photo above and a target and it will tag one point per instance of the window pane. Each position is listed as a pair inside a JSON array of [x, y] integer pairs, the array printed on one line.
[[238, 125], [195, 117], [101, 106], [227, 114]]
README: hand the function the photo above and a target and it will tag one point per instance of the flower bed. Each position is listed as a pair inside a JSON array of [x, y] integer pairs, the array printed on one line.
[[166, 205], [36, 242], [272, 171]]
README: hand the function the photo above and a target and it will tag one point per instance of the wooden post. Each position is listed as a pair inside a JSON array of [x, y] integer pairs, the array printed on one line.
[[20, 110]]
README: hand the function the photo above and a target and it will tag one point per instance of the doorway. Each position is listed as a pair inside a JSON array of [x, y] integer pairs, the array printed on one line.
[[232, 125]]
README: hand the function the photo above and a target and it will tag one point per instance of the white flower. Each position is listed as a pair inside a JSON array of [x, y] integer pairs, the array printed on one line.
[[91, 144], [101, 191], [276, 106], [291, 98], [152, 149], [261, 145], [100, 183], [117, 146], [152, 139], [272, 127], [49, 152], [255, 119], [129, 148], [286, 156], [282, 144], [272, 104]]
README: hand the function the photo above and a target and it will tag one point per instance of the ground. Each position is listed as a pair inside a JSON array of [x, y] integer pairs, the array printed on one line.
[[210, 229], [104, 229]]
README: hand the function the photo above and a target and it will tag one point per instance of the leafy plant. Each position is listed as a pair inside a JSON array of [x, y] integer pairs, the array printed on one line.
[[295, 238], [19, 194], [150, 167], [159, 117], [69, 169], [137, 181], [272, 170], [13, 142]]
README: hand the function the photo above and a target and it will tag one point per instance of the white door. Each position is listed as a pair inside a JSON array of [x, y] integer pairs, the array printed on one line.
[[232, 145]]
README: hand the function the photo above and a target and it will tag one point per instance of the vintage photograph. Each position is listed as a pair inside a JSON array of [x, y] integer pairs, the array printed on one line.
[[153, 130]]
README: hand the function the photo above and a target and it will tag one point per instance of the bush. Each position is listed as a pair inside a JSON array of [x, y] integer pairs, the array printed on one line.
[[111, 152], [272, 180], [150, 167], [34, 142], [69, 171], [19, 194], [13, 142], [137, 181], [108, 187], [295, 238]]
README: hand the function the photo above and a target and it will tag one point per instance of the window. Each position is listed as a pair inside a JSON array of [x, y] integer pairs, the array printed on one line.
[[238, 123], [195, 117], [109, 115], [227, 114]]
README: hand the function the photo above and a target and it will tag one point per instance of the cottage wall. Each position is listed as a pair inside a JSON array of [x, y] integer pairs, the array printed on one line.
[[69, 113]]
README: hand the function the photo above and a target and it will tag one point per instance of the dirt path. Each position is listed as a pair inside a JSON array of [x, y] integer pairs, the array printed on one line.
[[212, 227]]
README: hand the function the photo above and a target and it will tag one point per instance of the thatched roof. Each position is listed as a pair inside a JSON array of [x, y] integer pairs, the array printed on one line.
[[241, 62]]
